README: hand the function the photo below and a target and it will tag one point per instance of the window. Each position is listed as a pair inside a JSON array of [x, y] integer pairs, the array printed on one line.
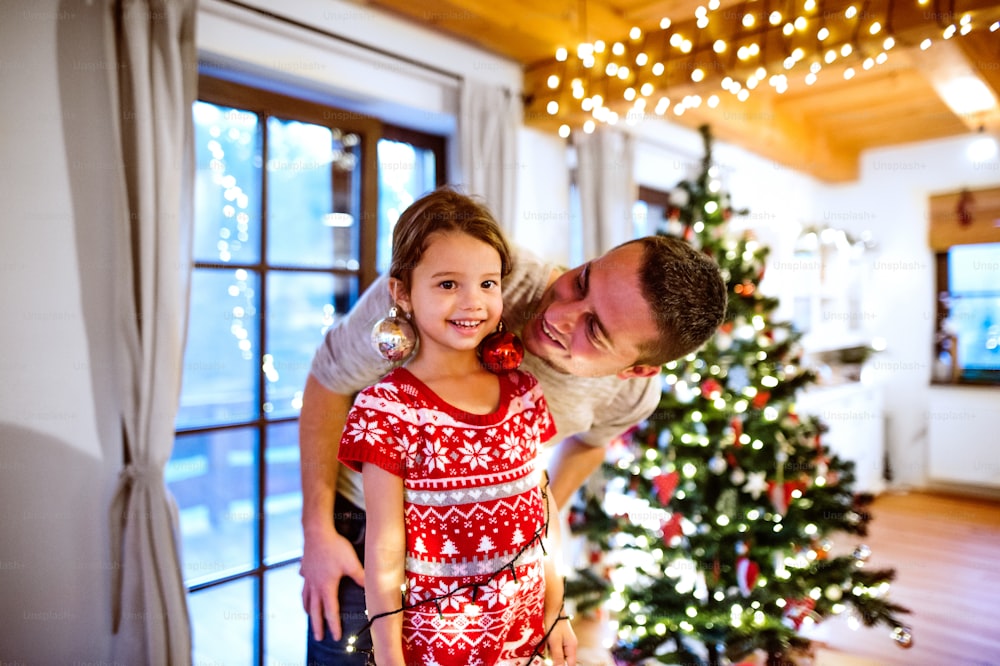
[[654, 213], [292, 210], [968, 314]]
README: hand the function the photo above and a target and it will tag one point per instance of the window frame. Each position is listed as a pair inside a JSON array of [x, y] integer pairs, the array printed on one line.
[[266, 104]]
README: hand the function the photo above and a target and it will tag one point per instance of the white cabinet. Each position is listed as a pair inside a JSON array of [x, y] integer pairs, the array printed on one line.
[[854, 414], [963, 427]]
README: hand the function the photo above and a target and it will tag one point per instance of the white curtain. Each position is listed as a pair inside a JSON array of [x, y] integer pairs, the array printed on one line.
[[154, 73], [488, 120], [606, 186]]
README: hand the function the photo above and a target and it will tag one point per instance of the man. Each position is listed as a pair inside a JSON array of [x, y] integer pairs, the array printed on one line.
[[595, 337]]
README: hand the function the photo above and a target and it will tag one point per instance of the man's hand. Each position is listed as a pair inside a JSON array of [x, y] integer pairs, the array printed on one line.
[[326, 559], [327, 556]]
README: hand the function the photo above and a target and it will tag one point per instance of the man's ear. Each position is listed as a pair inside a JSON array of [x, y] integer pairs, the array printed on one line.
[[638, 371], [399, 294]]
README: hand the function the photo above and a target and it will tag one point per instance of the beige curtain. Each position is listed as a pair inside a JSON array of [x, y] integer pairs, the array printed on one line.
[[488, 121], [153, 71], [606, 186]]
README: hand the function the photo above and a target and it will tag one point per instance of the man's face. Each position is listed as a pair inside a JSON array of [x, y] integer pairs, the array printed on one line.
[[593, 318]]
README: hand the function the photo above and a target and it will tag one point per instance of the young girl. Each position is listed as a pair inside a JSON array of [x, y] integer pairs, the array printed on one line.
[[459, 517]]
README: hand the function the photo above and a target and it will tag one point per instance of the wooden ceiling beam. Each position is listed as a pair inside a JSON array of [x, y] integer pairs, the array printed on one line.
[[781, 131]]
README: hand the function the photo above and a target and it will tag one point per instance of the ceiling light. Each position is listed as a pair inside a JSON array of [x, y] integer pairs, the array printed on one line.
[[966, 94]]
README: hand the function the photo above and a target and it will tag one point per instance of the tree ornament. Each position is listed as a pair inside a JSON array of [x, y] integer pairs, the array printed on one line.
[[861, 554], [665, 484], [393, 337], [756, 484], [903, 637], [761, 399], [711, 389], [747, 570], [727, 503], [796, 611], [717, 464], [781, 494], [501, 351], [672, 528]]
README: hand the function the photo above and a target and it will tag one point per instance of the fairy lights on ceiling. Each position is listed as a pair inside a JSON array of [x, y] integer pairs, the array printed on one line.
[[734, 52]]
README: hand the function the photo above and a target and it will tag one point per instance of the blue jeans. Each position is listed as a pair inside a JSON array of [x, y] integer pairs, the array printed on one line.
[[349, 521]]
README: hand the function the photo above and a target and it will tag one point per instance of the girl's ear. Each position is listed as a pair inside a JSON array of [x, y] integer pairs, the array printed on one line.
[[399, 294]]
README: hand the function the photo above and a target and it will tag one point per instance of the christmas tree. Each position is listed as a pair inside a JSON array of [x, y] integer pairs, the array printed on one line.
[[714, 529]]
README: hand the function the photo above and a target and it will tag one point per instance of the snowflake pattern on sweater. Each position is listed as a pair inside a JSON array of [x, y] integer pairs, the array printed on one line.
[[472, 504]]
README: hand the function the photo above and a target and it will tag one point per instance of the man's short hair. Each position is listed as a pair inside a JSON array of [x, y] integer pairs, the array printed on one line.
[[686, 295]]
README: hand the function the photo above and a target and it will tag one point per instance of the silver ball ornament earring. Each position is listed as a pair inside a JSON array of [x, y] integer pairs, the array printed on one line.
[[393, 337]]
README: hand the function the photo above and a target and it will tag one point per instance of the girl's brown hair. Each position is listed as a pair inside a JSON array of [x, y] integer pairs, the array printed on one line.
[[442, 210]]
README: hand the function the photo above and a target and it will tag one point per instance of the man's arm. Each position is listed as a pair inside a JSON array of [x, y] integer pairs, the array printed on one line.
[[327, 556], [571, 464]]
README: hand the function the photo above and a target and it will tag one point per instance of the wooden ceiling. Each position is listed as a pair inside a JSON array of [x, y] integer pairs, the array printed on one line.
[[819, 129]]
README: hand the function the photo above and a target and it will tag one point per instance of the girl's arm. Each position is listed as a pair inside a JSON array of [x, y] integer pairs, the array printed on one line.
[[562, 640], [385, 556]]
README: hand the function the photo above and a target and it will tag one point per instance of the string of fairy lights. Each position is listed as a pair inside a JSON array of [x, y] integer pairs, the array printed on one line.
[[731, 52], [472, 590]]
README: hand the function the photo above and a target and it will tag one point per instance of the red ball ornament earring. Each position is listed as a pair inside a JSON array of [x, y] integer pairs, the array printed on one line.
[[500, 351]]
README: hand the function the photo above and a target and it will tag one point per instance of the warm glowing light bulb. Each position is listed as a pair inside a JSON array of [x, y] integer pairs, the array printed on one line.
[[553, 81], [561, 54]]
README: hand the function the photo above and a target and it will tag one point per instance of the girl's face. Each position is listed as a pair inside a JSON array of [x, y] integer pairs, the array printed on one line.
[[454, 293]]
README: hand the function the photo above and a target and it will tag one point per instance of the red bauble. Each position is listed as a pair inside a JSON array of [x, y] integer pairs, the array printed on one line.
[[665, 484], [501, 351], [710, 389]]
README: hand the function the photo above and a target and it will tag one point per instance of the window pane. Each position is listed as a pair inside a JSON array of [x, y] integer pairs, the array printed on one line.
[[221, 358], [974, 268], [405, 173], [227, 184], [283, 506], [285, 621], [313, 197], [976, 323], [300, 307], [224, 623], [213, 477]]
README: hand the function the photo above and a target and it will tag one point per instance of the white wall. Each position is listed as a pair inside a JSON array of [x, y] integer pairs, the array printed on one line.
[[59, 442]]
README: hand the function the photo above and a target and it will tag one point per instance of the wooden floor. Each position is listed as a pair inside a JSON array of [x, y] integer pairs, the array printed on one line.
[[946, 552]]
